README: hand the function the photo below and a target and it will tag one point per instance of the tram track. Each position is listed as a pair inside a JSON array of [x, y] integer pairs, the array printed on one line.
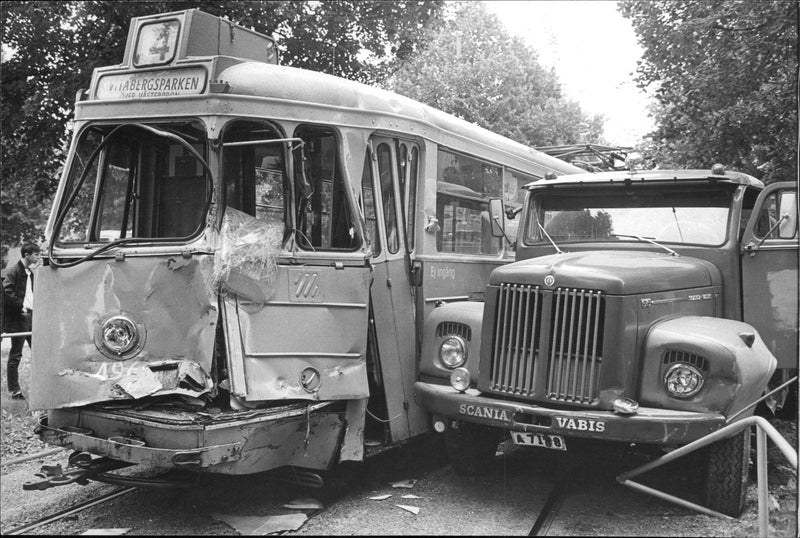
[[23, 529], [549, 510]]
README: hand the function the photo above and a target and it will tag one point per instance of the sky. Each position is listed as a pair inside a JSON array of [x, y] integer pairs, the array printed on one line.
[[594, 51]]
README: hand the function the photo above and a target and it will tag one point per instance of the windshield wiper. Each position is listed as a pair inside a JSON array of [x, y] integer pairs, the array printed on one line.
[[124, 240], [648, 240], [549, 238]]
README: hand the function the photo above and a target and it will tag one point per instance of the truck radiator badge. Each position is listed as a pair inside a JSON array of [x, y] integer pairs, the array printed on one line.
[[549, 281], [483, 412], [580, 424]]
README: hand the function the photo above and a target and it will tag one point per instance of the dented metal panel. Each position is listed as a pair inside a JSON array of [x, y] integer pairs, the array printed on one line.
[[169, 297], [317, 319]]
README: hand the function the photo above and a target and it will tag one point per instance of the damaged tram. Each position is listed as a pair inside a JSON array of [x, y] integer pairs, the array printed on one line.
[[241, 256]]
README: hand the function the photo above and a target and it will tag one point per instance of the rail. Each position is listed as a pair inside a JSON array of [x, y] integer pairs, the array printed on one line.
[[763, 430]]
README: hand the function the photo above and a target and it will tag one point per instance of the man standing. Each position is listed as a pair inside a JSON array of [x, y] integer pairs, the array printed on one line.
[[18, 310]]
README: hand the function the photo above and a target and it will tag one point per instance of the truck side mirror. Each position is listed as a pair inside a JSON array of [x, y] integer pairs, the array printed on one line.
[[787, 211], [497, 217]]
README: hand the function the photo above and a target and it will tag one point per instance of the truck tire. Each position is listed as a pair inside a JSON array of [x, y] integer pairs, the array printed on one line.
[[727, 464], [470, 448]]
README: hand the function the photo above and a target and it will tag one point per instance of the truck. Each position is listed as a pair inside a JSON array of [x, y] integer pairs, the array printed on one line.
[[644, 307]]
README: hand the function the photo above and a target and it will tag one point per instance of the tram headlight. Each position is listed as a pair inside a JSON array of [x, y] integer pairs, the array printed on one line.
[[119, 336], [683, 380], [453, 351]]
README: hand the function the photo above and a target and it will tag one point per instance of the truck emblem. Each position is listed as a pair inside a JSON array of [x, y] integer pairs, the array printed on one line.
[[484, 412], [549, 281], [580, 424]]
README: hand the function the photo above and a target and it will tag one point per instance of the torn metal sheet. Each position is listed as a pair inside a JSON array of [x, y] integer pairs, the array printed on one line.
[[176, 314], [262, 525]]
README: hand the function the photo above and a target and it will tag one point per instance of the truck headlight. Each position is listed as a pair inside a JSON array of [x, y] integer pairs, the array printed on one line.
[[683, 380], [453, 351]]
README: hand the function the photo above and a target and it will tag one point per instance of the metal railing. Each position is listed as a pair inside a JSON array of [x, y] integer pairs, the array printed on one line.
[[763, 430]]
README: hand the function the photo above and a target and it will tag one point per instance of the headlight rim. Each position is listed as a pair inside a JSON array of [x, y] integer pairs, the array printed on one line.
[[462, 343], [694, 370], [102, 345]]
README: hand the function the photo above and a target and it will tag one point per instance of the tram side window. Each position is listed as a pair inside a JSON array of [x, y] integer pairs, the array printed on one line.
[[254, 171], [325, 220], [464, 187], [140, 185], [387, 193], [368, 199], [408, 165]]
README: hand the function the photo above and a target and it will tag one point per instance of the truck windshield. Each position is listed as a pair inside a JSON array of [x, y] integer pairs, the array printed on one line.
[[135, 182], [686, 215]]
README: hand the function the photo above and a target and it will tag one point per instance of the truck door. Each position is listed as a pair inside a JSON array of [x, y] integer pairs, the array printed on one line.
[[388, 183], [769, 271]]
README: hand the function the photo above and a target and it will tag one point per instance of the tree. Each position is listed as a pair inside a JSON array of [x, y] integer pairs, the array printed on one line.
[[725, 80], [51, 48], [473, 69]]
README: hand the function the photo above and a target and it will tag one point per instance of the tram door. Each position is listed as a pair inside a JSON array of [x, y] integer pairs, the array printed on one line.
[[389, 184]]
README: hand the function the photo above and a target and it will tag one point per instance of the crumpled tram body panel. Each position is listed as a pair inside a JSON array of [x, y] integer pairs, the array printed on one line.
[[169, 296]]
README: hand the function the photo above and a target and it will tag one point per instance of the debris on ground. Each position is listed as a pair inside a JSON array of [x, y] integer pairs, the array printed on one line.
[[413, 509], [405, 483]]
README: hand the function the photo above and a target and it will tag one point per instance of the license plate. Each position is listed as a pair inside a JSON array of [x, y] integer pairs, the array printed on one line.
[[545, 440]]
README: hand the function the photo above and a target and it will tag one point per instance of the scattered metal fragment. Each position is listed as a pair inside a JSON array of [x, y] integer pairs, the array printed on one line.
[[413, 509], [305, 503], [379, 497], [411, 496], [405, 483], [262, 525], [105, 532]]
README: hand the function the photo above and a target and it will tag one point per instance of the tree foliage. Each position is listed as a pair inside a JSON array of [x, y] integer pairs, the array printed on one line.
[[725, 80], [51, 48], [474, 69]]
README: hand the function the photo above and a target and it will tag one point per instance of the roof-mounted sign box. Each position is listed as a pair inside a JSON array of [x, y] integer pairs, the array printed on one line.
[[159, 40]]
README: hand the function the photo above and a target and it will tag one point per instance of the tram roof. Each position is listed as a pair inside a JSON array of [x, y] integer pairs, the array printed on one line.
[[392, 111]]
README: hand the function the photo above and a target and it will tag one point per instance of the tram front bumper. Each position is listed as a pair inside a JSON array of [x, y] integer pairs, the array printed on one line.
[[247, 442], [647, 426], [128, 449]]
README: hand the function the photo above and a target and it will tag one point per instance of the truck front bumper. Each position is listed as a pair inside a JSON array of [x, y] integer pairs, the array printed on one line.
[[648, 425]]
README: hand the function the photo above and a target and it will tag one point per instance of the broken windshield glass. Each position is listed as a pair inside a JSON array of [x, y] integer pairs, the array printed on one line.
[[142, 182]]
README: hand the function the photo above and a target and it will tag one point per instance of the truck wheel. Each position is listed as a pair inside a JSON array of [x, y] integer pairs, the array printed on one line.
[[470, 448], [727, 464]]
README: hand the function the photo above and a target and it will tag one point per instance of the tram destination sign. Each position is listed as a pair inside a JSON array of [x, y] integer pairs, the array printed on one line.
[[162, 83]]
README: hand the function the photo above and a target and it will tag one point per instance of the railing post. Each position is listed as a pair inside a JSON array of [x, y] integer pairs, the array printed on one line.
[[763, 495]]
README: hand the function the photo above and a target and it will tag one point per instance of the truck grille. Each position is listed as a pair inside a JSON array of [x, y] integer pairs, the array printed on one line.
[[548, 339]]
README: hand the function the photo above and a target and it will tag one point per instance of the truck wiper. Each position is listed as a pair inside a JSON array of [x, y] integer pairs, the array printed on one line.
[[547, 235], [648, 240]]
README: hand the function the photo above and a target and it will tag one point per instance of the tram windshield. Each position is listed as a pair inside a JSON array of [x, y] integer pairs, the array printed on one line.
[[136, 181]]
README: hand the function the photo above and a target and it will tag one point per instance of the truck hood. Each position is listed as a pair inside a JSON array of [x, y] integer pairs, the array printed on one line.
[[614, 272]]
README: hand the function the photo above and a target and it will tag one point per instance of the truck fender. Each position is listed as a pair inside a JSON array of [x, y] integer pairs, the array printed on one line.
[[735, 363], [463, 319]]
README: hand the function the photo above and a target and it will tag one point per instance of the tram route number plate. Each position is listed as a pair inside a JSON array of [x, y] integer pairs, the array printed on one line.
[[545, 440]]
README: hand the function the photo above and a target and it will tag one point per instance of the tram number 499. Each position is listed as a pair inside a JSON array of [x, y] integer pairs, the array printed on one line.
[[555, 442]]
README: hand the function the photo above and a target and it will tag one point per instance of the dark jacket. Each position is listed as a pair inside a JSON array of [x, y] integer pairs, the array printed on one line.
[[14, 282]]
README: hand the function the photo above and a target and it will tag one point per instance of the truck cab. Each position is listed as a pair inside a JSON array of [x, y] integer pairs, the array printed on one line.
[[648, 307]]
